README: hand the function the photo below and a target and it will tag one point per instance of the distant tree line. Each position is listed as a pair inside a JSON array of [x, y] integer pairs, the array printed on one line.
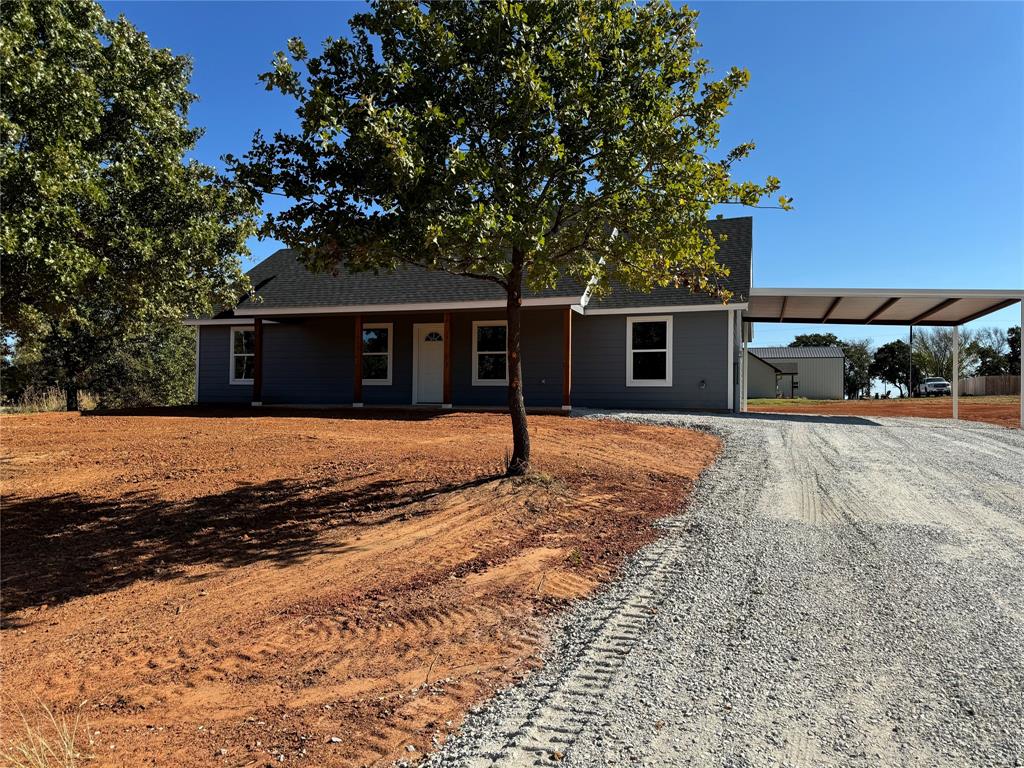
[[982, 352]]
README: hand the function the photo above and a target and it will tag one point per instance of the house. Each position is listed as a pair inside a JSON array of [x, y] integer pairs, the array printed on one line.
[[422, 337], [812, 372]]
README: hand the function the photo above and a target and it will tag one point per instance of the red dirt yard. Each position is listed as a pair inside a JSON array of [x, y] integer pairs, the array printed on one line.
[[227, 588], [1001, 410]]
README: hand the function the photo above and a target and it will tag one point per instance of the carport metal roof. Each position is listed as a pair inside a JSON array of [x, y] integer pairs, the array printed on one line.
[[875, 306]]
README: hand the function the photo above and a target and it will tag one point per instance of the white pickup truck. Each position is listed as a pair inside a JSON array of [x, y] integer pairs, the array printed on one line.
[[933, 385]]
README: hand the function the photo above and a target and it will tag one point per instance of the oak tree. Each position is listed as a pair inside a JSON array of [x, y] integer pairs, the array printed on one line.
[[105, 224], [509, 142]]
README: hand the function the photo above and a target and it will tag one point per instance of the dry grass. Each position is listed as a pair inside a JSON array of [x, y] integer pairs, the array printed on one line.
[[48, 400], [55, 742]]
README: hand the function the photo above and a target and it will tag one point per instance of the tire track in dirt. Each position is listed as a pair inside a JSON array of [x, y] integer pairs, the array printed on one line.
[[352, 602]]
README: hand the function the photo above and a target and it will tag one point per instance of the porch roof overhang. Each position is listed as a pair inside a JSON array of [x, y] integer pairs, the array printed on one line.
[[876, 306]]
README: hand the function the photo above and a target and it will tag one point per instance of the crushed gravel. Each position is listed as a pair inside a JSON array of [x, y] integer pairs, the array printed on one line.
[[840, 591]]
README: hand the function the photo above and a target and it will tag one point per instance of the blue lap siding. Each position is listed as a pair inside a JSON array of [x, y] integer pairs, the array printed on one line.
[[310, 361], [699, 354]]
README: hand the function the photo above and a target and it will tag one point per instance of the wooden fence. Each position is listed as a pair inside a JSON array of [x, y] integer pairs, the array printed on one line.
[[990, 385]]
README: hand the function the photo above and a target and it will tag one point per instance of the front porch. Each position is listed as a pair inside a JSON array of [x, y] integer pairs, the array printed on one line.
[[430, 359]]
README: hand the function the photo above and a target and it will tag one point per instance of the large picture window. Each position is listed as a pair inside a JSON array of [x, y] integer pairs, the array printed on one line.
[[377, 346], [490, 353], [649, 351], [243, 354]]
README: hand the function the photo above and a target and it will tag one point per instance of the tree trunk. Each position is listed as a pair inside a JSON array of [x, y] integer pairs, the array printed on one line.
[[519, 464], [71, 397]]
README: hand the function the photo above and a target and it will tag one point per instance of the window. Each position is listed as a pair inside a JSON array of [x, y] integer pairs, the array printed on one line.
[[243, 354], [377, 343], [490, 353], [649, 351]]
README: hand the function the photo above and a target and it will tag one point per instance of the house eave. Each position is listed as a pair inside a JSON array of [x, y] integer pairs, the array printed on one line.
[[432, 306], [666, 309]]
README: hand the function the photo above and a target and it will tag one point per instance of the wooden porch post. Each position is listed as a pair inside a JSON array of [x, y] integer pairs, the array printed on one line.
[[446, 398], [357, 367], [257, 362], [567, 360]]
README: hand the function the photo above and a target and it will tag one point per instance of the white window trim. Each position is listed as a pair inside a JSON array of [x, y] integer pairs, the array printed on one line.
[[232, 355], [391, 344], [477, 382], [667, 381]]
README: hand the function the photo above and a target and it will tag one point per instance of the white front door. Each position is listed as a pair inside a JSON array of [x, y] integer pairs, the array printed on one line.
[[429, 379]]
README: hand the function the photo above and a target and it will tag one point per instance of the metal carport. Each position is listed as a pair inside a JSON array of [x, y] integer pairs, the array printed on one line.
[[882, 306]]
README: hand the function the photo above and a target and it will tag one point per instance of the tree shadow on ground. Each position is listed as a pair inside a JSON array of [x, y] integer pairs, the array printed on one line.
[[59, 547]]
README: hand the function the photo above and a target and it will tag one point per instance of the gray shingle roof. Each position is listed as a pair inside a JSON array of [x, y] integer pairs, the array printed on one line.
[[281, 282], [735, 253], [793, 353]]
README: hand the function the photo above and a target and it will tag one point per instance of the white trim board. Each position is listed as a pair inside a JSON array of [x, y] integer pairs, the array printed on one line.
[[888, 293], [488, 382], [665, 309], [232, 381], [442, 306], [370, 309], [226, 321], [390, 353], [667, 381]]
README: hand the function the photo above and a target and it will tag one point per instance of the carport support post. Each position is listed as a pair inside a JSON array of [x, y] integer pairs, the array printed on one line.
[[956, 372], [910, 365]]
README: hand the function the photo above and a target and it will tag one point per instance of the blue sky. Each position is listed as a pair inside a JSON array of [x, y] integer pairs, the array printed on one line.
[[897, 127]]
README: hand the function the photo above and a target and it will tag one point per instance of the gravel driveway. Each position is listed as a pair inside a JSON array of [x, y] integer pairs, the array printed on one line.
[[842, 591]]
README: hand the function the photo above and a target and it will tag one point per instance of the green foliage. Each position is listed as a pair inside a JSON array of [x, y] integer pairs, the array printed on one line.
[[105, 227], [857, 367], [505, 139], [1013, 356], [933, 352], [816, 340], [990, 347], [996, 352], [511, 142], [891, 364], [154, 365]]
